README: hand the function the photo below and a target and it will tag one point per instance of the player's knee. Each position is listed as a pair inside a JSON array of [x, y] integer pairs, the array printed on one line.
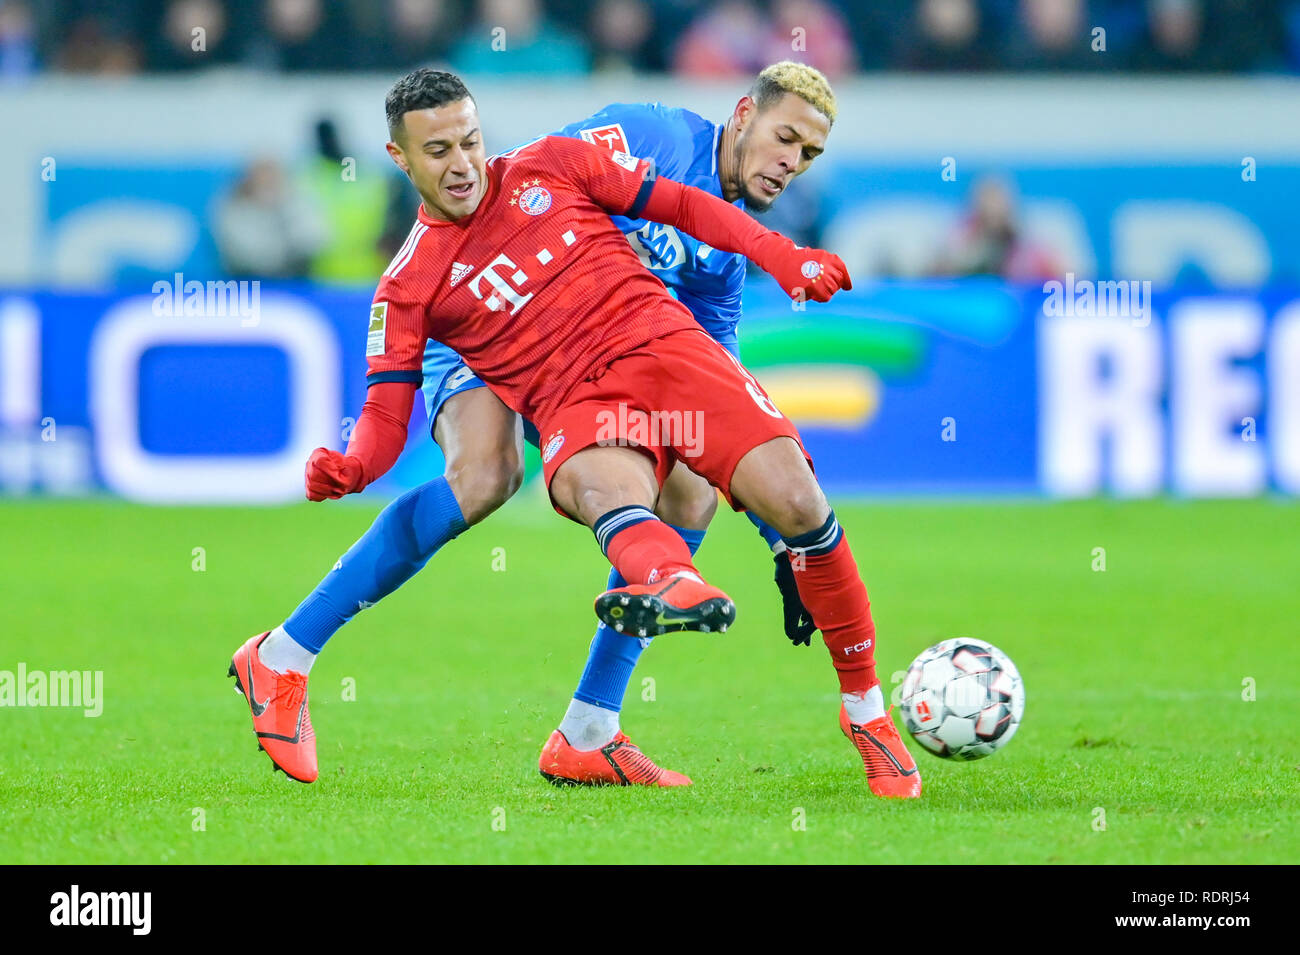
[[597, 480], [484, 484], [593, 500], [581, 498], [505, 477], [802, 507]]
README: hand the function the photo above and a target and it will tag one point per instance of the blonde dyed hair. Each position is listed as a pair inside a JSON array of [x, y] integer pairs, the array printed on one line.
[[805, 82]]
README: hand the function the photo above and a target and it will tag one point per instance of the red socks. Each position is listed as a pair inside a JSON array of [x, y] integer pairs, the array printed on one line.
[[644, 550], [641, 547], [829, 585]]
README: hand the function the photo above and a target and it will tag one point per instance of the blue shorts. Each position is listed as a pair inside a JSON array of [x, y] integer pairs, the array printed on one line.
[[445, 376]]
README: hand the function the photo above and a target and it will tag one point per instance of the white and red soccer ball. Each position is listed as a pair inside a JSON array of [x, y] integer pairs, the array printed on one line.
[[962, 699]]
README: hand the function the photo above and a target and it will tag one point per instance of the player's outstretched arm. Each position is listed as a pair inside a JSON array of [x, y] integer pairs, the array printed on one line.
[[803, 273], [376, 442]]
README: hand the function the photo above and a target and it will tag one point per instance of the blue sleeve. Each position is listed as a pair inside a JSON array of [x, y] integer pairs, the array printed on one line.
[[646, 130]]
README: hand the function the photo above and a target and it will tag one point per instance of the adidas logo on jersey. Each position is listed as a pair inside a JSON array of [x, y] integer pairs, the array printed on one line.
[[458, 271]]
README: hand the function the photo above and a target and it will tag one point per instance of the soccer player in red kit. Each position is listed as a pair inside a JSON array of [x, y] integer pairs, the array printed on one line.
[[514, 263]]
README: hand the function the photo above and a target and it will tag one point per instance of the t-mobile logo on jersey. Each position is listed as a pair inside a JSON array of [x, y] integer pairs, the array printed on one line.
[[504, 291]]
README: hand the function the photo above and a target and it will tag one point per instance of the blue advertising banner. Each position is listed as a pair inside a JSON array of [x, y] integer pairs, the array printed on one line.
[[200, 392], [1225, 225]]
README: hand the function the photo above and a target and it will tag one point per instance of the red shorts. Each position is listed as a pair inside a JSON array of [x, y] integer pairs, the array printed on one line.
[[681, 397]]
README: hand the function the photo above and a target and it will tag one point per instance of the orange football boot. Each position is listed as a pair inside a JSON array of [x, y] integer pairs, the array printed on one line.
[[682, 602], [891, 771], [279, 705], [619, 763]]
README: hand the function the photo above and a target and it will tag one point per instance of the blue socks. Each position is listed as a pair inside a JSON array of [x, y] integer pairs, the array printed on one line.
[[613, 655], [401, 540], [766, 531]]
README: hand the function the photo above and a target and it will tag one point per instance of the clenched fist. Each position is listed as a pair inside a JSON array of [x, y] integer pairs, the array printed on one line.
[[331, 475], [805, 274]]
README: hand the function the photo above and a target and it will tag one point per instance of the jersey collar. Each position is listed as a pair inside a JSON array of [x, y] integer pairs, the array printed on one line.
[[717, 176]]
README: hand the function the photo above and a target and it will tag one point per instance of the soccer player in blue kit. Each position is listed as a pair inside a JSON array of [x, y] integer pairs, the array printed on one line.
[[773, 135]]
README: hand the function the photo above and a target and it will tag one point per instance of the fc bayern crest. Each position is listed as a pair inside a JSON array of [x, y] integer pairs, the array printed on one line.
[[811, 269], [554, 442], [535, 200]]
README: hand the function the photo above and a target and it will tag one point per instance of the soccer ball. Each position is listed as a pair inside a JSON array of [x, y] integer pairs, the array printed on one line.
[[962, 699]]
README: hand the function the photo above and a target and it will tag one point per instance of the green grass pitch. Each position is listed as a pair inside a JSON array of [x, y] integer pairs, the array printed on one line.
[[1136, 679]]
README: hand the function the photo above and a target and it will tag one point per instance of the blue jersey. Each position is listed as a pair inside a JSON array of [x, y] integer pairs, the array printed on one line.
[[684, 147]]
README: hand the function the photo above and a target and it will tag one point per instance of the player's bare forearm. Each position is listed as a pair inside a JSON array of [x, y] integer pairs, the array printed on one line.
[[376, 443], [803, 273]]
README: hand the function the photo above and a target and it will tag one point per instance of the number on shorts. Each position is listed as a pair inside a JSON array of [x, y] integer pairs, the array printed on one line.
[[458, 377], [754, 388]]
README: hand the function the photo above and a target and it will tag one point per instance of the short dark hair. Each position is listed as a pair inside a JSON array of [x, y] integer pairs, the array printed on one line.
[[422, 89]]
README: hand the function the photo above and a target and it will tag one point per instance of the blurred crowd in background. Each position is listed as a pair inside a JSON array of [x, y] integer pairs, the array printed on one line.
[[300, 219], [691, 38], [303, 221]]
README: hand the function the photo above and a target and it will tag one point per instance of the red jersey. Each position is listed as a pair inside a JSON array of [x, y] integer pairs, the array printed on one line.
[[537, 289]]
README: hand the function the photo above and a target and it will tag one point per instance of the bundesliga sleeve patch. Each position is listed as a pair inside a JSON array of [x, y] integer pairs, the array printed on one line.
[[375, 334], [611, 136]]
